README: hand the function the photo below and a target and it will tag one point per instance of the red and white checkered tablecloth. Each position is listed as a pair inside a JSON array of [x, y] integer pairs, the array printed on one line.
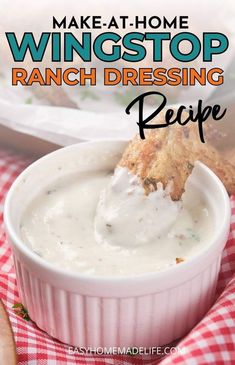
[[212, 341]]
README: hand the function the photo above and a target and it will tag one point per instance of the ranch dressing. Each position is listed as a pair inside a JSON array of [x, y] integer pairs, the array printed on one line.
[[78, 224], [123, 204]]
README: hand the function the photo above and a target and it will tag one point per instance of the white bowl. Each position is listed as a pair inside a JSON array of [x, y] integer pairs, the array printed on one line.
[[147, 310]]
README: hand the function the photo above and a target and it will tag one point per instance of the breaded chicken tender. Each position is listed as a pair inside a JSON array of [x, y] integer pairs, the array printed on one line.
[[167, 155]]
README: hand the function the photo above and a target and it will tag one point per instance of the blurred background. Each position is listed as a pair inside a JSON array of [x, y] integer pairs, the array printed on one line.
[[39, 119]]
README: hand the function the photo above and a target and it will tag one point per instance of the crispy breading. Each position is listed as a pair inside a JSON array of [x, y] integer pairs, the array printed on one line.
[[229, 155], [167, 155]]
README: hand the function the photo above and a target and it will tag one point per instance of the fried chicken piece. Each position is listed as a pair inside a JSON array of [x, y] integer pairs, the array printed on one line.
[[167, 155], [229, 155]]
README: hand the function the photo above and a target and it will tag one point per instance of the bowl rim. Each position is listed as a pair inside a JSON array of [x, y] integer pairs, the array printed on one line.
[[41, 263]]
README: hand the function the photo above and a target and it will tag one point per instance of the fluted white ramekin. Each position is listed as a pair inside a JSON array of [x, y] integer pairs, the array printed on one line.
[[147, 310]]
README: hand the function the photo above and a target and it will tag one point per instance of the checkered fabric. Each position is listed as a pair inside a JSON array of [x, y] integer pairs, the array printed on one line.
[[212, 341]]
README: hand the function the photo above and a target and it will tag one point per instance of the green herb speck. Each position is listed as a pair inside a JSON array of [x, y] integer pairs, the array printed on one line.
[[21, 311], [29, 100], [193, 235]]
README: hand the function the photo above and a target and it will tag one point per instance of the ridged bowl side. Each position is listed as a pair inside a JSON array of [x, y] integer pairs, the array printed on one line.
[[88, 321]]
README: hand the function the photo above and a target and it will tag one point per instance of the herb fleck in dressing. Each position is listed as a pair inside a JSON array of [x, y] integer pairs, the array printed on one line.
[[77, 225]]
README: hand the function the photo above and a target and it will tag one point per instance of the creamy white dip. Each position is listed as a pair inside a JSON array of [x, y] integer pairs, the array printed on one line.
[[127, 217], [80, 226]]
